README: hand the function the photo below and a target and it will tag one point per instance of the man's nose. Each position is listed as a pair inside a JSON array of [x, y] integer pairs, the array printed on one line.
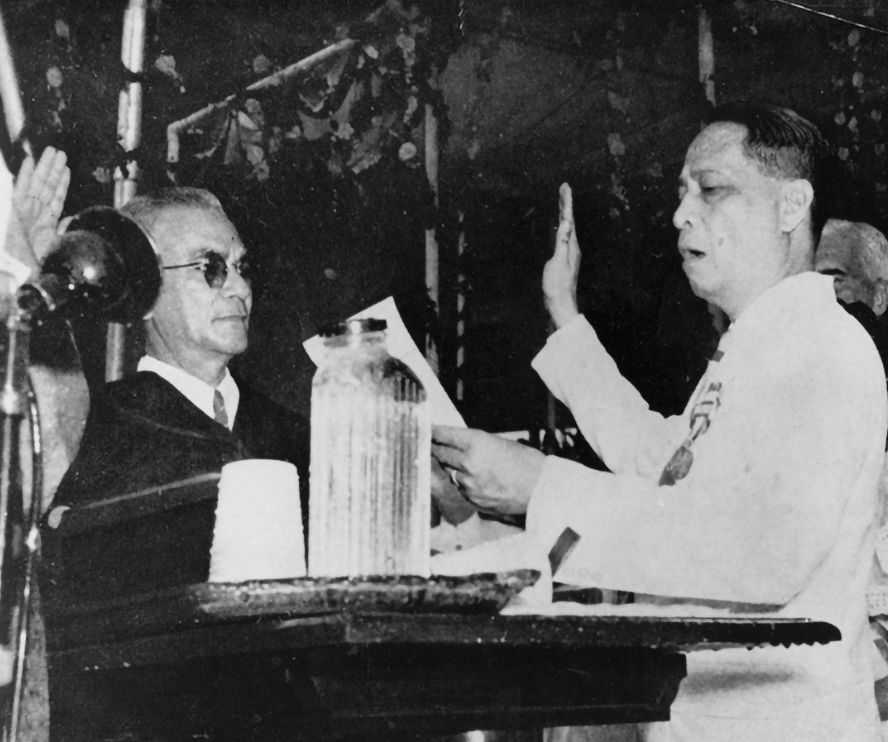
[[682, 216], [236, 285]]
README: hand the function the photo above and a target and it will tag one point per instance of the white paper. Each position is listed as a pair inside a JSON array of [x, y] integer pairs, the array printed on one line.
[[401, 345]]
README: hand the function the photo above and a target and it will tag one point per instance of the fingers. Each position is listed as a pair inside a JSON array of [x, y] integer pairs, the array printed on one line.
[[57, 201], [565, 203], [48, 171], [23, 179], [454, 437], [451, 458], [566, 247], [44, 182]]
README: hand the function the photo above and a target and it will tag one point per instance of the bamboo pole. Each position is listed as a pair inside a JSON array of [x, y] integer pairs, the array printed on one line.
[[129, 136], [460, 391], [432, 258], [297, 68], [13, 109], [706, 54]]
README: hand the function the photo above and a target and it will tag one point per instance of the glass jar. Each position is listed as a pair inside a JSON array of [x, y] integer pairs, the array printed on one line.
[[370, 475]]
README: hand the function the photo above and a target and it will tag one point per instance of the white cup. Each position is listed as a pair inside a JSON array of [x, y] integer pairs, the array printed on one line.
[[258, 529]]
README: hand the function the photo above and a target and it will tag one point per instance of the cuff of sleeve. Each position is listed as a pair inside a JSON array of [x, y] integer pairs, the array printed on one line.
[[556, 495], [15, 268], [551, 355]]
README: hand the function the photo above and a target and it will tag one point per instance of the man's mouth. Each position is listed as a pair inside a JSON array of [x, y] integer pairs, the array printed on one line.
[[689, 253]]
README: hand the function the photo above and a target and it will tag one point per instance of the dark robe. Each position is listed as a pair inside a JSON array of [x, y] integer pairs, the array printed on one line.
[[142, 433]]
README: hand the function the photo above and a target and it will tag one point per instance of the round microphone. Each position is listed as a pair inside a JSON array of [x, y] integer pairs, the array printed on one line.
[[104, 267]]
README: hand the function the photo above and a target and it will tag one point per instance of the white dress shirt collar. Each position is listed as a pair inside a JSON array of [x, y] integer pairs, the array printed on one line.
[[199, 393]]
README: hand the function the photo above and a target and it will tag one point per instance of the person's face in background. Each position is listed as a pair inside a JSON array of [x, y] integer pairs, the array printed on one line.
[[836, 257], [193, 325], [729, 221]]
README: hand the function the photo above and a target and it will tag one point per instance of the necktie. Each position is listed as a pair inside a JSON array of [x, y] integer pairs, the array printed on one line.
[[219, 413]]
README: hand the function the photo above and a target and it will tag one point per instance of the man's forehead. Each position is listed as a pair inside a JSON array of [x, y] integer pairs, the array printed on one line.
[[718, 147], [182, 231]]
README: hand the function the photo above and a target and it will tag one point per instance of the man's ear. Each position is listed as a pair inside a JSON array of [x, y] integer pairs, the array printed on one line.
[[795, 203], [880, 297]]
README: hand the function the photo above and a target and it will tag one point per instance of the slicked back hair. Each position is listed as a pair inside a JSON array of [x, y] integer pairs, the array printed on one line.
[[147, 208], [785, 145]]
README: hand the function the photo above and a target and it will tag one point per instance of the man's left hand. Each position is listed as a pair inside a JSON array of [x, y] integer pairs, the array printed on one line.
[[495, 474]]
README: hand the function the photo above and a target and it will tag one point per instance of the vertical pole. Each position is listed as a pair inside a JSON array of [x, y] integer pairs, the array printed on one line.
[[432, 276], [13, 110], [129, 135], [460, 311], [706, 54]]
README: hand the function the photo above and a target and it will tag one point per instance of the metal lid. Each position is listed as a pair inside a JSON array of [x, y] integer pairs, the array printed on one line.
[[352, 327]]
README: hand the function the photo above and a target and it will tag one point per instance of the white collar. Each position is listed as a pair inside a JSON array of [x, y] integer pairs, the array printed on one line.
[[198, 392]]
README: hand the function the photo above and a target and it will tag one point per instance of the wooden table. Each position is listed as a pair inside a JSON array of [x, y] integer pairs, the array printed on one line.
[[134, 655], [205, 662]]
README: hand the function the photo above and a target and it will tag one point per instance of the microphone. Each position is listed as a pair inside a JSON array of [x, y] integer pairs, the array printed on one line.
[[104, 267]]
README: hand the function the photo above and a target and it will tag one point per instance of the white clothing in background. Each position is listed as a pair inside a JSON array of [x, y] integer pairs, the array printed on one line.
[[778, 507]]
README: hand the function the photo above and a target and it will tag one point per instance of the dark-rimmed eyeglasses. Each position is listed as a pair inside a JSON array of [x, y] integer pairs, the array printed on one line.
[[215, 269]]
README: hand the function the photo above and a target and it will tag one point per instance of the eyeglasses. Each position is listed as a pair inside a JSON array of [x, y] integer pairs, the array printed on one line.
[[215, 269]]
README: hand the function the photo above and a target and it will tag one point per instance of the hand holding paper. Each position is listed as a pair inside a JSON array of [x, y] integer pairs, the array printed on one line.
[[495, 474]]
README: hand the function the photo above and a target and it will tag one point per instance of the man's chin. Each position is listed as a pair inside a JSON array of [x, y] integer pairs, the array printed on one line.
[[232, 346]]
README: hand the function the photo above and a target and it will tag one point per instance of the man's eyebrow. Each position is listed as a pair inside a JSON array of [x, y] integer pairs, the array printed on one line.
[[700, 172], [201, 251]]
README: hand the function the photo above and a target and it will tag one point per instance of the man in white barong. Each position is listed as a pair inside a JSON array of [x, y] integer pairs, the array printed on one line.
[[762, 494]]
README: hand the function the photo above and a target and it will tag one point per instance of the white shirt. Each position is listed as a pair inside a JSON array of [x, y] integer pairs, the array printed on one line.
[[778, 507], [198, 392]]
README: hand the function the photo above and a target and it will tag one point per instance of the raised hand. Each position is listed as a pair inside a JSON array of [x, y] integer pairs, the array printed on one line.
[[562, 269], [38, 197], [495, 474]]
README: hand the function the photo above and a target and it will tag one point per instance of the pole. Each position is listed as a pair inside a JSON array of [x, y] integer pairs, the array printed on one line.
[[460, 391], [706, 54], [276, 78], [129, 136], [432, 272], [16, 557], [13, 110]]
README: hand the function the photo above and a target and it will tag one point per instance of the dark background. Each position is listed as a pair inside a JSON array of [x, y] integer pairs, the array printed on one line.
[[601, 93]]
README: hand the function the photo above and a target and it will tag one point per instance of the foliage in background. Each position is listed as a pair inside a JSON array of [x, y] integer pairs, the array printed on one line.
[[335, 122]]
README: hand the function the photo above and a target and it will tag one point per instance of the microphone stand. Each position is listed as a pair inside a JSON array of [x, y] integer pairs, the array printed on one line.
[[18, 548]]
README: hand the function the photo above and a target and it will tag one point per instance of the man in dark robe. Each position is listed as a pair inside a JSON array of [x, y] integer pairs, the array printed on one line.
[[181, 414]]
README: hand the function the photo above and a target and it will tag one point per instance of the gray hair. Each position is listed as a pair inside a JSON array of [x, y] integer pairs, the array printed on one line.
[[869, 257], [147, 208]]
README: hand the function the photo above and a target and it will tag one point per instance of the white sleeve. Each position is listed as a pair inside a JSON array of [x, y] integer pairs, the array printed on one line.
[[757, 513], [610, 412]]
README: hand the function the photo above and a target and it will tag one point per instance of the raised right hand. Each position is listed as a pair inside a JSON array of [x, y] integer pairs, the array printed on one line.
[[38, 198], [562, 270]]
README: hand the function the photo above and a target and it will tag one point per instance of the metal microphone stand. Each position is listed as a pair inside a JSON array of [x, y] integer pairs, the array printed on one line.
[[19, 537]]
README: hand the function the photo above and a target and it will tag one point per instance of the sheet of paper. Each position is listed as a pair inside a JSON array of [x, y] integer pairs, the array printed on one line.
[[401, 345]]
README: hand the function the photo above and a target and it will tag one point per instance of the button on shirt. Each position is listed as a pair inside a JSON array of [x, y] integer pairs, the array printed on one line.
[[199, 393]]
